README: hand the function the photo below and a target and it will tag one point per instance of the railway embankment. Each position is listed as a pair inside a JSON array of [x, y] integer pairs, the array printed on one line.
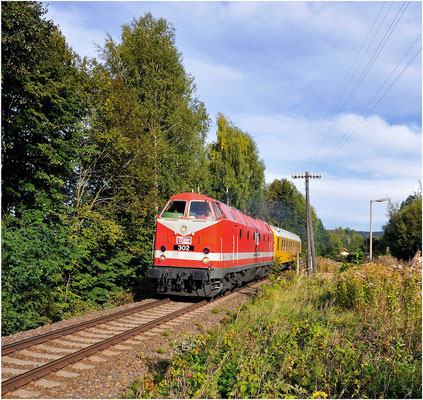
[[350, 331], [99, 355]]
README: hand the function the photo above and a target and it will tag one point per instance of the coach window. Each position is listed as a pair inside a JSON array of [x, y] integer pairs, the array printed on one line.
[[248, 235], [175, 209], [200, 210]]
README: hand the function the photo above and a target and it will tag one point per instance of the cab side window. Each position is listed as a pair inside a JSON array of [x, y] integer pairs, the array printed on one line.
[[216, 211], [221, 211]]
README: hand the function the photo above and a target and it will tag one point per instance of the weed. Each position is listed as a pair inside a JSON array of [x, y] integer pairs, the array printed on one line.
[[337, 335], [215, 311], [165, 333]]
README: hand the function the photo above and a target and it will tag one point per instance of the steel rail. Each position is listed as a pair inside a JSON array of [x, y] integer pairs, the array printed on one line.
[[23, 344], [43, 370]]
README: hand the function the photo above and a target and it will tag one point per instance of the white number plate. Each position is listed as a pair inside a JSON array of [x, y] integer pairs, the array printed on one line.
[[183, 247], [183, 239]]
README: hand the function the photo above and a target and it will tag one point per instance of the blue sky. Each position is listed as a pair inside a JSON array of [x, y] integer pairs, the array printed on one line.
[[276, 69]]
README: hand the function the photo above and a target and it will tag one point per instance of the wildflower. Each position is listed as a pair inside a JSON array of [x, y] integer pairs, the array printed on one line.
[[319, 395]]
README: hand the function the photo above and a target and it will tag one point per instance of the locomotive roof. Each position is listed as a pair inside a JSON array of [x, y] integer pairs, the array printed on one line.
[[195, 196], [190, 196], [285, 234]]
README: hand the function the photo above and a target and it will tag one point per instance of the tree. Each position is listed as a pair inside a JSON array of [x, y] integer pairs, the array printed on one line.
[[287, 209], [350, 239], [236, 170], [173, 122], [146, 137], [334, 246], [42, 105], [403, 232]]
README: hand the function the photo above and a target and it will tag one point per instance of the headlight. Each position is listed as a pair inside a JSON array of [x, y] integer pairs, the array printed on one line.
[[163, 249], [162, 257], [206, 250], [184, 229], [206, 260]]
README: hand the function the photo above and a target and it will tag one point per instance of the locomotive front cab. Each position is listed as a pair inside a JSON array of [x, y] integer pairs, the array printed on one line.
[[185, 249]]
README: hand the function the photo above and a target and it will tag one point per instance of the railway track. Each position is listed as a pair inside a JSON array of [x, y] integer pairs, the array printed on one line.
[[89, 338]]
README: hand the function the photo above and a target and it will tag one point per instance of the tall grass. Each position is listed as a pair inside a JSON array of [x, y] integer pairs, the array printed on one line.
[[355, 334]]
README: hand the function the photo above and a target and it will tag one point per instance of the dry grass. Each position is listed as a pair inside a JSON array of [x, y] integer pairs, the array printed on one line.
[[355, 334]]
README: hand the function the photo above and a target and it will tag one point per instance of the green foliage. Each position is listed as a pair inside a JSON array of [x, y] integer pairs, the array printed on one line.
[[381, 291], [299, 340], [42, 105], [33, 251], [237, 173], [356, 257], [146, 133], [286, 207], [347, 238], [334, 246], [91, 152], [403, 232]]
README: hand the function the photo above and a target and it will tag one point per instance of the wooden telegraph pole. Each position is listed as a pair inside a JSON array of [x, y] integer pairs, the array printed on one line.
[[311, 252]]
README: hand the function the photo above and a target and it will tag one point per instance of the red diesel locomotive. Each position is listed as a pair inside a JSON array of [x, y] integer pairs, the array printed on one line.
[[204, 247]]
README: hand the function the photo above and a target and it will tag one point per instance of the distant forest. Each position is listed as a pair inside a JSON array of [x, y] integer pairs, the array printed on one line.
[[91, 151]]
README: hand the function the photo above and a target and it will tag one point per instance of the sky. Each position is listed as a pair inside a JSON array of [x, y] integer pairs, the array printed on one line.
[[329, 87]]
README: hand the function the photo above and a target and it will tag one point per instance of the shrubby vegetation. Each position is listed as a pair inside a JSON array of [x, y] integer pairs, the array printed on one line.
[[355, 334], [91, 151], [403, 232], [286, 208]]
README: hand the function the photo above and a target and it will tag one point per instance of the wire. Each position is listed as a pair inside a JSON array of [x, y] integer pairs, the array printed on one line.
[[339, 145], [335, 121], [364, 73], [335, 101]]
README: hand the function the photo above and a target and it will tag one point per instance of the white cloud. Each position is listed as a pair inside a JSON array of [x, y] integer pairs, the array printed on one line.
[[382, 160], [376, 132], [274, 69], [217, 74], [81, 38]]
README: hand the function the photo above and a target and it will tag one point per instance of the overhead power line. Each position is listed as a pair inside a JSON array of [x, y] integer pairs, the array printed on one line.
[[331, 110], [362, 76], [341, 142]]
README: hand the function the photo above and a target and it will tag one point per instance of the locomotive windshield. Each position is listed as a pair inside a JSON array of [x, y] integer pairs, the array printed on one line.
[[175, 209], [200, 210]]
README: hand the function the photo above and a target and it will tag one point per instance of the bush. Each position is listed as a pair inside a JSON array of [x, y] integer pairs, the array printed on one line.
[[297, 339], [327, 265]]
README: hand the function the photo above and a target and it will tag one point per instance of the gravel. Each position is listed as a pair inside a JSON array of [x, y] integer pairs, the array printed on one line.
[[112, 374]]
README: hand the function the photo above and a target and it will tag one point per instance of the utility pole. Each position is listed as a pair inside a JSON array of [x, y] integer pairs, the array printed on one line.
[[311, 252], [371, 233]]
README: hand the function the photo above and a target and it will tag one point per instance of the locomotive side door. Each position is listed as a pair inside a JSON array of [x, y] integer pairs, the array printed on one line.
[[256, 246], [236, 244]]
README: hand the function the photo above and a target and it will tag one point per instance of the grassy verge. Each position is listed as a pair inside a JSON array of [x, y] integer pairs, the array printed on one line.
[[355, 334]]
